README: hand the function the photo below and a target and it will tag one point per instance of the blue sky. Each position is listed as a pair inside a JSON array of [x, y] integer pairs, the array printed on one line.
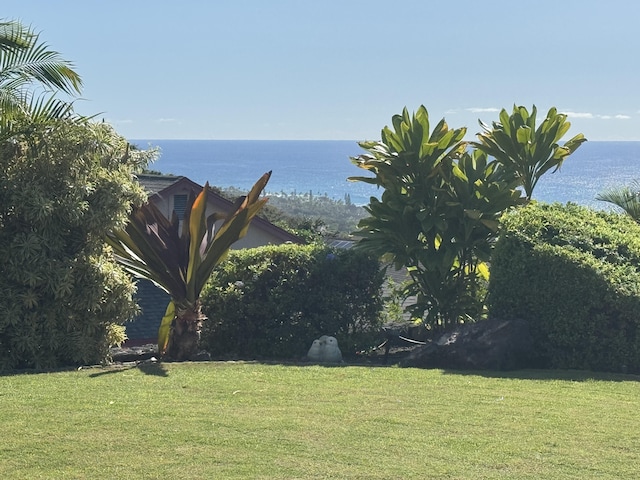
[[339, 69]]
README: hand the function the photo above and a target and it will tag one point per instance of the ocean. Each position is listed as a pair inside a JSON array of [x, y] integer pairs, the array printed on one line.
[[322, 167]]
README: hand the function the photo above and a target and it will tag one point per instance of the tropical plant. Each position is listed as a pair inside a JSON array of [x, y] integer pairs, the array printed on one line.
[[626, 198], [438, 214], [527, 153], [30, 77], [26, 60], [180, 259], [64, 300]]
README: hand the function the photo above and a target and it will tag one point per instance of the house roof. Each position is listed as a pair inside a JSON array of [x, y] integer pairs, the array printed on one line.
[[156, 183], [159, 184], [341, 243]]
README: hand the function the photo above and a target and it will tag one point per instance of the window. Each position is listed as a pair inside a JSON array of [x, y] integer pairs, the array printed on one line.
[[179, 205]]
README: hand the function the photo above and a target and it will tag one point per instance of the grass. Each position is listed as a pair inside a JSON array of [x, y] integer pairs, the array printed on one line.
[[255, 421]]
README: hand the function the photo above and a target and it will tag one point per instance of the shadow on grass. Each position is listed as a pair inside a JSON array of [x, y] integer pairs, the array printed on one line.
[[153, 368], [148, 368], [524, 374], [567, 375], [158, 369]]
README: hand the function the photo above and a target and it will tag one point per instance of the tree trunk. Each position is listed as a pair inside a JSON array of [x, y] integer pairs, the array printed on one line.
[[184, 336]]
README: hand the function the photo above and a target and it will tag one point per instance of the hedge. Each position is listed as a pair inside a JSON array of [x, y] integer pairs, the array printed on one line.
[[574, 274], [272, 302]]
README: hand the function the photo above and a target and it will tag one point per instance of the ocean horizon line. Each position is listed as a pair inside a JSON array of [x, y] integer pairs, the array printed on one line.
[[238, 140], [302, 140]]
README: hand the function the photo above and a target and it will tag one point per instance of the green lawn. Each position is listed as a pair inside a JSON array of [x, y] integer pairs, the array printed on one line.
[[250, 421]]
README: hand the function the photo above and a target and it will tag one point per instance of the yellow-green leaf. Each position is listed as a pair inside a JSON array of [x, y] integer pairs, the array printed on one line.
[[197, 230], [483, 270], [165, 328]]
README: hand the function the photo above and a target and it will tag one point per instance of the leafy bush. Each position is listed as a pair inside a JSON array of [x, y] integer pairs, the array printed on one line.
[[574, 274], [272, 302], [61, 189]]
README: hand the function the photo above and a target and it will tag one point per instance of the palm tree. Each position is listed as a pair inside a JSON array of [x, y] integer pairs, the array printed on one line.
[[31, 75], [627, 198], [152, 247]]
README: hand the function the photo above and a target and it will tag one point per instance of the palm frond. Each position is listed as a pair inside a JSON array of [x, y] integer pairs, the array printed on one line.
[[14, 36], [626, 198], [27, 66], [24, 57]]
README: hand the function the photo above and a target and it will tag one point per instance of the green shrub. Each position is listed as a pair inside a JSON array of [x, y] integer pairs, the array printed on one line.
[[272, 302], [61, 189], [574, 274]]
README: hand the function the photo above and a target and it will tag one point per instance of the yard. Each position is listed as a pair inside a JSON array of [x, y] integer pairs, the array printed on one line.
[[257, 421]]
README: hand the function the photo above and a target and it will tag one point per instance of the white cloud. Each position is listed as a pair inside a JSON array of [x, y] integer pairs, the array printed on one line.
[[481, 110], [595, 115], [579, 114], [166, 120]]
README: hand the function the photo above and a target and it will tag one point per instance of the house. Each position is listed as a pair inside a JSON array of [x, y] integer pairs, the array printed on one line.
[[171, 193]]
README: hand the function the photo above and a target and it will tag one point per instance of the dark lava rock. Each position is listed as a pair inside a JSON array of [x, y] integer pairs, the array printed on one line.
[[147, 352], [201, 356], [133, 354], [486, 345]]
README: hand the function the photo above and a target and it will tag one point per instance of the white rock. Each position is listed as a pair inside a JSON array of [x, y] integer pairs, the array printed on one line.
[[330, 351], [315, 352]]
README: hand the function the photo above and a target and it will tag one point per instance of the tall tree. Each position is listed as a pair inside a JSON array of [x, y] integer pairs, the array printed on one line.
[[31, 77]]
